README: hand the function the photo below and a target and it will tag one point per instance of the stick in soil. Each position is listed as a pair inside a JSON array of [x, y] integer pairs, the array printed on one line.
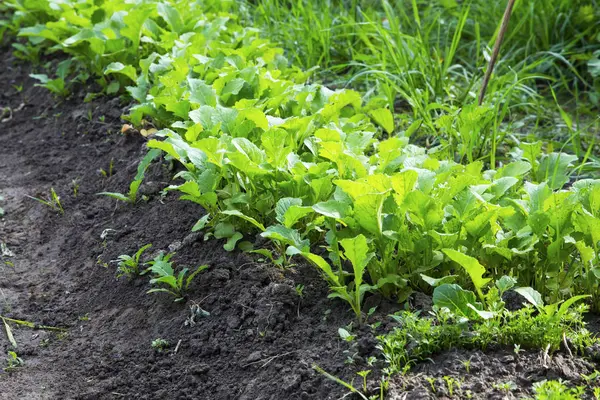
[[497, 44]]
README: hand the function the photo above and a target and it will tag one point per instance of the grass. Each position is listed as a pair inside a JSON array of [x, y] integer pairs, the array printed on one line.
[[428, 57]]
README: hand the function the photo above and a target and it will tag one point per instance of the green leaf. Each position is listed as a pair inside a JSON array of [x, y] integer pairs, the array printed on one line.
[[384, 118], [515, 169], [294, 214], [554, 168], [162, 268], [505, 283], [230, 244], [239, 214], [332, 209], [357, 251], [119, 68], [201, 93], [317, 261], [233, 87], [531, 295], [9, 334], [564, 307], [117, 196], [438, 281], [171, 17], [471, 265], [288, 236], [457, 300], [201, 223], [283, 205]]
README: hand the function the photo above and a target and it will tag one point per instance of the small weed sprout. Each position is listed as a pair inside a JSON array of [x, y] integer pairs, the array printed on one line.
[[431, 383], [364, 375], [451, 383], [53, 202], [517, 349], [13, 361], [129, 266], [300, 290], [505, 386], [160, 345], [467, 365], [75, 187]]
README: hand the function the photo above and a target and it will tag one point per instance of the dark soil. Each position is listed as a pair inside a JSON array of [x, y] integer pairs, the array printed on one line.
[[260, 339]]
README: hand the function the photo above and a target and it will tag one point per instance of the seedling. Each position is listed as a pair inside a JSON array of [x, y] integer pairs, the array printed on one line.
[[163, 274], [75, 187], [300, 290], [160, 345], [349, 385], [109, 173], [131, 197], [517, 349], [451, 383], [364, 375], [431, 381], [53, 201], [505, 386], [467, 365], [129, 266], [13, 361]]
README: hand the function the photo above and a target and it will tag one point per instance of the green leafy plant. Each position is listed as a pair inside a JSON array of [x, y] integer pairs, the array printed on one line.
[[130, 266], [163, 273], [556, 390], [13, 361], [459, 320], [160, 345]]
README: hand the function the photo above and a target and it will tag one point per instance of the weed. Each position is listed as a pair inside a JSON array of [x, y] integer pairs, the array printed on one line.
[[556, 390], [451, 384], [160, 345], [53, 201], [505, 386], [13, 361], [75, 187], [467, 365], [431, 381], [541, 328]]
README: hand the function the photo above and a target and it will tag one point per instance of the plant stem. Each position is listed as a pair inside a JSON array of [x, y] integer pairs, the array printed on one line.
[[497, 44]]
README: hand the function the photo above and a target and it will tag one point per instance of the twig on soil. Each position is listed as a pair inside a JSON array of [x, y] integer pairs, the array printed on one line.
[[268, 360], [545, 356], [566, 344], [177, 347]]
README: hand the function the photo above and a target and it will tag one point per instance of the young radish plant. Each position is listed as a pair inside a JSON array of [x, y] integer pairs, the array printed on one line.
[[164, 275], [130, 266]]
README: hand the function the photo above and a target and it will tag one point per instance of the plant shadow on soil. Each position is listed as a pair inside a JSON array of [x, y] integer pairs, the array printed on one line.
[[260, 339]]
